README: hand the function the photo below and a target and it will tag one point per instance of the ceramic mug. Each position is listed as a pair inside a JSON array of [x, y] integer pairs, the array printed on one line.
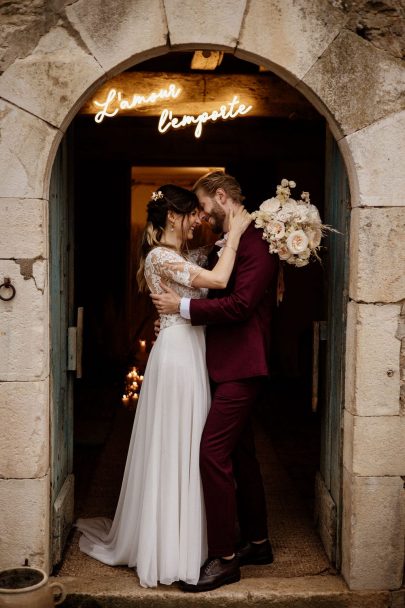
[[26, 587]]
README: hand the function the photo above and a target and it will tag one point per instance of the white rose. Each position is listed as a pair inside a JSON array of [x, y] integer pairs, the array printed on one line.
[[297, 241], [292, 184], [276, 229], [284, 183], [270, 205]]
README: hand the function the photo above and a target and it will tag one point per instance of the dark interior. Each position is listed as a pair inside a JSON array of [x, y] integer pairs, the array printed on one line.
[[259, 152]]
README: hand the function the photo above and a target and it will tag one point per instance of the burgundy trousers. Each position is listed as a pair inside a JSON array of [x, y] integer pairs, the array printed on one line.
[[230, 471]]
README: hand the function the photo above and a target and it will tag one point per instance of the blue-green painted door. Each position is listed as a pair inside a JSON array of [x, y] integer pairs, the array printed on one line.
[[337, 214], [61, 309]]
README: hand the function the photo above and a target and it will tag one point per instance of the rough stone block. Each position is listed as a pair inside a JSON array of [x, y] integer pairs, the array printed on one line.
[[372, 359], [369, 88], [377, 160], [208, 23], [52, 82], [291, 35], [374, 445], [24, 153], [373, 531], [24, 522], [24, 227], [24, 429], [118, 32], [377, 254], [24, 322]]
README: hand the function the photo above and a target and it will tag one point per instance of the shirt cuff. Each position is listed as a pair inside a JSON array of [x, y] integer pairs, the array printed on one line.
[[185, 308]]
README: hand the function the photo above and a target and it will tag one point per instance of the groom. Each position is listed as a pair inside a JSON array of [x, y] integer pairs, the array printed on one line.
[[238, 340]]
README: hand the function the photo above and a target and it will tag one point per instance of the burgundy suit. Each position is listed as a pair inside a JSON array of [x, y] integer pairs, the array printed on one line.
[[238, 340]]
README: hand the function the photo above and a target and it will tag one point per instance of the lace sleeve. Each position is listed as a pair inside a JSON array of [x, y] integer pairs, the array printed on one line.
[[172, 267]]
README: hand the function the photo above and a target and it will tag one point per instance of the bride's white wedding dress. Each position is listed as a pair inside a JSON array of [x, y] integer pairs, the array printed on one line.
[[159, 524]]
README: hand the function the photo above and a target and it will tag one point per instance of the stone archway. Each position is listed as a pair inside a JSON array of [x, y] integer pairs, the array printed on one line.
[[356, 87]]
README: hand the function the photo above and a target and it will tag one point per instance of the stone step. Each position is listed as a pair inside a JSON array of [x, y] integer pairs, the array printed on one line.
[[322, 591]]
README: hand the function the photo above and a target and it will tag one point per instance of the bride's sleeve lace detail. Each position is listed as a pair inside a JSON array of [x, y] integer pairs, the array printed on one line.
[[171, 267]]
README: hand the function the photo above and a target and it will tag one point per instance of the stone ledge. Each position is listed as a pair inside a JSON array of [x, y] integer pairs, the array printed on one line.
[[303, 592]]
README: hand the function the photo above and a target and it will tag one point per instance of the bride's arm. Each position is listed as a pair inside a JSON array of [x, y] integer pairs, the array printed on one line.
[[218, 277]]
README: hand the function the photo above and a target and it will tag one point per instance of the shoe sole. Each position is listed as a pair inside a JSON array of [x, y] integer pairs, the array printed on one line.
[[228, 581]]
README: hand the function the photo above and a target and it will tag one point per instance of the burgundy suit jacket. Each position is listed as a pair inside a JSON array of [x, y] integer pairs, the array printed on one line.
[[238, 317]]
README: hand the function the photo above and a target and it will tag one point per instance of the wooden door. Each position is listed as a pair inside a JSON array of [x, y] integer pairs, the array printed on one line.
[[336, 214], [61, 392]]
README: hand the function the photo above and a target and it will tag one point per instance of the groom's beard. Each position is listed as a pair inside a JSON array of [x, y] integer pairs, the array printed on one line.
[[217, 218]]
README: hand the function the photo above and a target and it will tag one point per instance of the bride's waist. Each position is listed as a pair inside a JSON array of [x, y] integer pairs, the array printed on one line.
[[170, 320]]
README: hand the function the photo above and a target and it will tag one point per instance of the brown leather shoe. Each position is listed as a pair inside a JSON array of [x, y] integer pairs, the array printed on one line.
[[255, 554], [213, 574]]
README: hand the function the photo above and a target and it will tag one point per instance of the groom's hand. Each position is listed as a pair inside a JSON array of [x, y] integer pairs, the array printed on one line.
[[167, 303]]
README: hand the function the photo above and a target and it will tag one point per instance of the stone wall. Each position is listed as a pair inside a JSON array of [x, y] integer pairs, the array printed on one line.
[[344, 57], [24, 22], [380, 22]]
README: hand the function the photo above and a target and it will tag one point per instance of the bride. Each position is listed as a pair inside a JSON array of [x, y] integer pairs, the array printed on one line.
[[159, 523]]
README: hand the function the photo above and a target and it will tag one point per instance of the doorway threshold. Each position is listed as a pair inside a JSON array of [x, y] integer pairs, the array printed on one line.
[[124, 591]]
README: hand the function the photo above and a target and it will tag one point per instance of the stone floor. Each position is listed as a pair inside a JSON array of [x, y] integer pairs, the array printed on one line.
[[300, 576], [101, 458]]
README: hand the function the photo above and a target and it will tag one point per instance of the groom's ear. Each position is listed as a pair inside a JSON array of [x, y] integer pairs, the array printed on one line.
[[221, 196]]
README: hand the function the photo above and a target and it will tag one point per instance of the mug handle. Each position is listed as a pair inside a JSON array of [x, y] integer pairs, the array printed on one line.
[[60, 592]]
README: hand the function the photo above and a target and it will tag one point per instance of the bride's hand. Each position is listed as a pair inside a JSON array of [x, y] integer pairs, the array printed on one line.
[[239, 220]]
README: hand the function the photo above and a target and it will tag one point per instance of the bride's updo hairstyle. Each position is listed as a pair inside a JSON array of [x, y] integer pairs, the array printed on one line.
[[166, 198]]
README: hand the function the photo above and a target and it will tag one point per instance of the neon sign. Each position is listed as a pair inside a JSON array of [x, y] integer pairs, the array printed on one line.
[[166, 120], [115, 101], [114, 97]]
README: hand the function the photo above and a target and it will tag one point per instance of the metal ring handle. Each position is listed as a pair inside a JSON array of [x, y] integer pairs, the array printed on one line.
[[7, 285]]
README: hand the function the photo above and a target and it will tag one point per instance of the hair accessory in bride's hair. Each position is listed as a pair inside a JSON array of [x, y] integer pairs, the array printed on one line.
[[157, 195]]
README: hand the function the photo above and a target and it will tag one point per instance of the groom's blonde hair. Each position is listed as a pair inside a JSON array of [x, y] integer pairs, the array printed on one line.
[[210, 183]]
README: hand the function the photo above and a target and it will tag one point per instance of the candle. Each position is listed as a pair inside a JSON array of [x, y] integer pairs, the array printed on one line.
[[142, 346]]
